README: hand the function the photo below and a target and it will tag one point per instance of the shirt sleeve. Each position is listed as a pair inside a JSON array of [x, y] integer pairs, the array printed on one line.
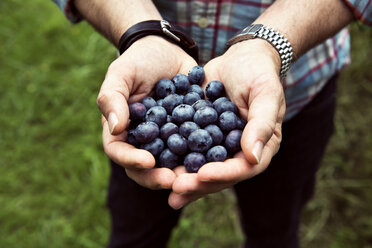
[[362, 10], [69, 10]]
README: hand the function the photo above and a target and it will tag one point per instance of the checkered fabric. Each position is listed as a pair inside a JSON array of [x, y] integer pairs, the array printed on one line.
[[213, 22]]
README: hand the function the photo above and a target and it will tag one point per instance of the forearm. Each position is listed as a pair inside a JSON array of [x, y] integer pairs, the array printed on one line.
[[113, 17], [306, 23]]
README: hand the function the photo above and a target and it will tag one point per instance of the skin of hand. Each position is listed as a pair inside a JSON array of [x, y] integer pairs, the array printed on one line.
[[249, 71], [131, 77]]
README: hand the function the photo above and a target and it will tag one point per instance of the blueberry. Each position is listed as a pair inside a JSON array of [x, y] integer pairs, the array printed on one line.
[[160, 102], [232, 141], [155, 147], [131, 138], [201, 103], [169, 118], [137, 111], [164, 87], [226, 106], [167, 130], [199, 141], [197, 89], [217, 154], [182, 113], [191, 98], [196, 75], [181, 82], [168, 159], [146, 132], [219, 100], [205, 116], [171, 101], [214, 90], [177, 144], [149, 102], [157, 114], [241, 124], [216, 133], [188, 127], [227, 121], [193, 161]]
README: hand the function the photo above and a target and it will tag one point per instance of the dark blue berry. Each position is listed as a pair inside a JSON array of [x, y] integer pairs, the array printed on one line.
[[169, 118], [188, 127], [232, 141], [199, 141], [177, 144], [157, 114], [182, 113], [216, 133], [227, 121], [137, 111], [149, 102], [191, 98], [164, 87], [197, 89], [171, 101], [201, 103], [181, 82], [131, 138], [168, 159], [146, 132], [216, 154], [219, 100], [226, 106], [241, 124], [167, 130], [205, 116], [155, 147], [159, 102], [193, 161], [196, 75], [214, 90]]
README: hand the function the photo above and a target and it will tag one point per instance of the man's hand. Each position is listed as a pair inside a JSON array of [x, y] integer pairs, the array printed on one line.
[[249, 71], [130, 78]]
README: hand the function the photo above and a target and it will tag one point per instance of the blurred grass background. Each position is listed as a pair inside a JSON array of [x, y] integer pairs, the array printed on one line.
[[53, 172]]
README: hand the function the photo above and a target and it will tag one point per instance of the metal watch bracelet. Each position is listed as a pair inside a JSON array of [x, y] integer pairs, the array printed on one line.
[[277, 40]]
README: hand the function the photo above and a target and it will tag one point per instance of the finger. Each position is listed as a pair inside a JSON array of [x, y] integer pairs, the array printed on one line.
[[113, 96], [179, 170], [177, 201], [124, 154], [266, 98], [190, 183], [157, 178]]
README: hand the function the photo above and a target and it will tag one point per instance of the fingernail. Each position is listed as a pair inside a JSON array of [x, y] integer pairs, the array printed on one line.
[[257, 151], [112, 121]]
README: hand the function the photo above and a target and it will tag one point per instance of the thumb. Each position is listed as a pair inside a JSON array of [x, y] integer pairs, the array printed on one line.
[[263, 129], [112, 101]]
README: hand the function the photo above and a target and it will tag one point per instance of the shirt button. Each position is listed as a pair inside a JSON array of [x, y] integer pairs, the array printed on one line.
[[203, 22]]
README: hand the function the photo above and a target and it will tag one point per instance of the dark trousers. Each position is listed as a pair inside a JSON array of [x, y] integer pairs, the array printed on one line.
[[270, 204]]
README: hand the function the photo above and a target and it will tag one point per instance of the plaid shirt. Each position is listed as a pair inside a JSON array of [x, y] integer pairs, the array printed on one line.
[[211, 23]]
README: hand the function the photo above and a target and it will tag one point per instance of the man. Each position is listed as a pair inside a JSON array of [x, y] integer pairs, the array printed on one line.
[[271, 190]]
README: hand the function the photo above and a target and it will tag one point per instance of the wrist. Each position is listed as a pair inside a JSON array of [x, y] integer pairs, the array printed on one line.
[[259, 47]]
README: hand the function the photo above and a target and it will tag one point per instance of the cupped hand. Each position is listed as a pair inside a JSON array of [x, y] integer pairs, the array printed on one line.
[[249, 71], [130, 78]]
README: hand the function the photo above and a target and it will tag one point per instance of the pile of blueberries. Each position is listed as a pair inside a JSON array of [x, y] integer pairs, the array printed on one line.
[[182, 127]]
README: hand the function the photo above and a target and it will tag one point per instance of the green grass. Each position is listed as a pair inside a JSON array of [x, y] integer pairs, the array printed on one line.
[[53, 172]]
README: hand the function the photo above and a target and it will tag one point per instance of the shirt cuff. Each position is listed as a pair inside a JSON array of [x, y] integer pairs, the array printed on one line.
[[68, 8], [362, 10]]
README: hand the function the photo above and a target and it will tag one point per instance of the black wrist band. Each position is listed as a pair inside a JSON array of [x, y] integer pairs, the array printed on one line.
[[161, 28]]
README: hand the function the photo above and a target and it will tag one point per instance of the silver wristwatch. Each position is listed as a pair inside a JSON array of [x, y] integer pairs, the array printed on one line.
[[281, 44]]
